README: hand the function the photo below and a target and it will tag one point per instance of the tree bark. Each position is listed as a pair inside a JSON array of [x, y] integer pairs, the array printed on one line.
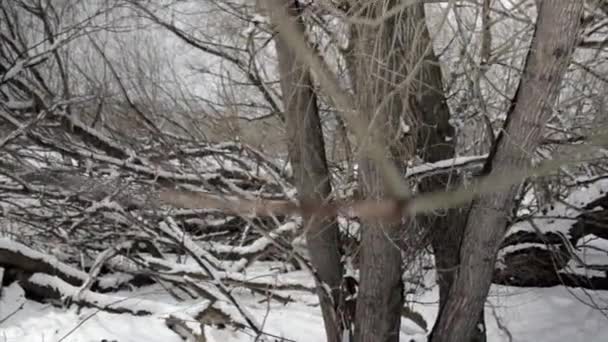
[[552, 46], [378, 63], [307, 155], [436, 141]]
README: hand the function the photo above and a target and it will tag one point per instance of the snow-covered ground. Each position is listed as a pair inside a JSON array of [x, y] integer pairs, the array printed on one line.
[[538, 314]]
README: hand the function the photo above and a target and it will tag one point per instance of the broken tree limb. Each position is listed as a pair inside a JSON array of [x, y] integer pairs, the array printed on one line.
[[14, 254]]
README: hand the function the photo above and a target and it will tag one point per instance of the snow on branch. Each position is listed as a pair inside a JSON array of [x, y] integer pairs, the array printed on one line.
[[14, 254], [429, 169], [52, 287]]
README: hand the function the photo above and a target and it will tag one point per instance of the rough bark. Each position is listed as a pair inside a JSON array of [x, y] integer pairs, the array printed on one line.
[[307, 156], [552, 45], [436, 141], [379, 77]]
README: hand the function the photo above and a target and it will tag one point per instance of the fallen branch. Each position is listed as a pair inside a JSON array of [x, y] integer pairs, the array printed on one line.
[[273, 281], [51, 287], [16, 255]]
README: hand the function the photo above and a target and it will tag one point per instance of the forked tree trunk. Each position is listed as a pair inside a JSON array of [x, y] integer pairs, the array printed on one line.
[[436, 141], [552, 45], [307, 156]]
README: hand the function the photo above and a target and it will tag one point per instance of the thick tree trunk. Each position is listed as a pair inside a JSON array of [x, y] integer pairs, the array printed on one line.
[[307, 156], [436, 141], [554, 39], [380, 298], [379, 69]]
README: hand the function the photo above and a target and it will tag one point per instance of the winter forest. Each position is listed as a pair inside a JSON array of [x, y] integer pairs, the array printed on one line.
[[303, 170]]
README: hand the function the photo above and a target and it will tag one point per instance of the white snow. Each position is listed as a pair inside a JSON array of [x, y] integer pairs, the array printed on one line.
[[110, 281], [561, 218], [258, 18], [37, 322], [258, 245], [445, 164], [101, 300], [547, 314], [405, 128], [15, 104], [513, 248], [590, 257], [8, 244]]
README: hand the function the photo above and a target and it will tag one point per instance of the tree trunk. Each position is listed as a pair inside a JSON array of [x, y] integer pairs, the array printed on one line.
[[380, 297], [307, 156], [436, 141], [552, 45], [378, 68]]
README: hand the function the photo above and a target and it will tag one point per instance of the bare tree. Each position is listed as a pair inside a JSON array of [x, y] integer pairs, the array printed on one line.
[[121, 180], [307, 155], [556, 32], [436, 142], [380, 68]]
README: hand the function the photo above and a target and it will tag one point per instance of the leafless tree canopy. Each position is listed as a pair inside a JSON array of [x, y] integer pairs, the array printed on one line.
[[363, 142]]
